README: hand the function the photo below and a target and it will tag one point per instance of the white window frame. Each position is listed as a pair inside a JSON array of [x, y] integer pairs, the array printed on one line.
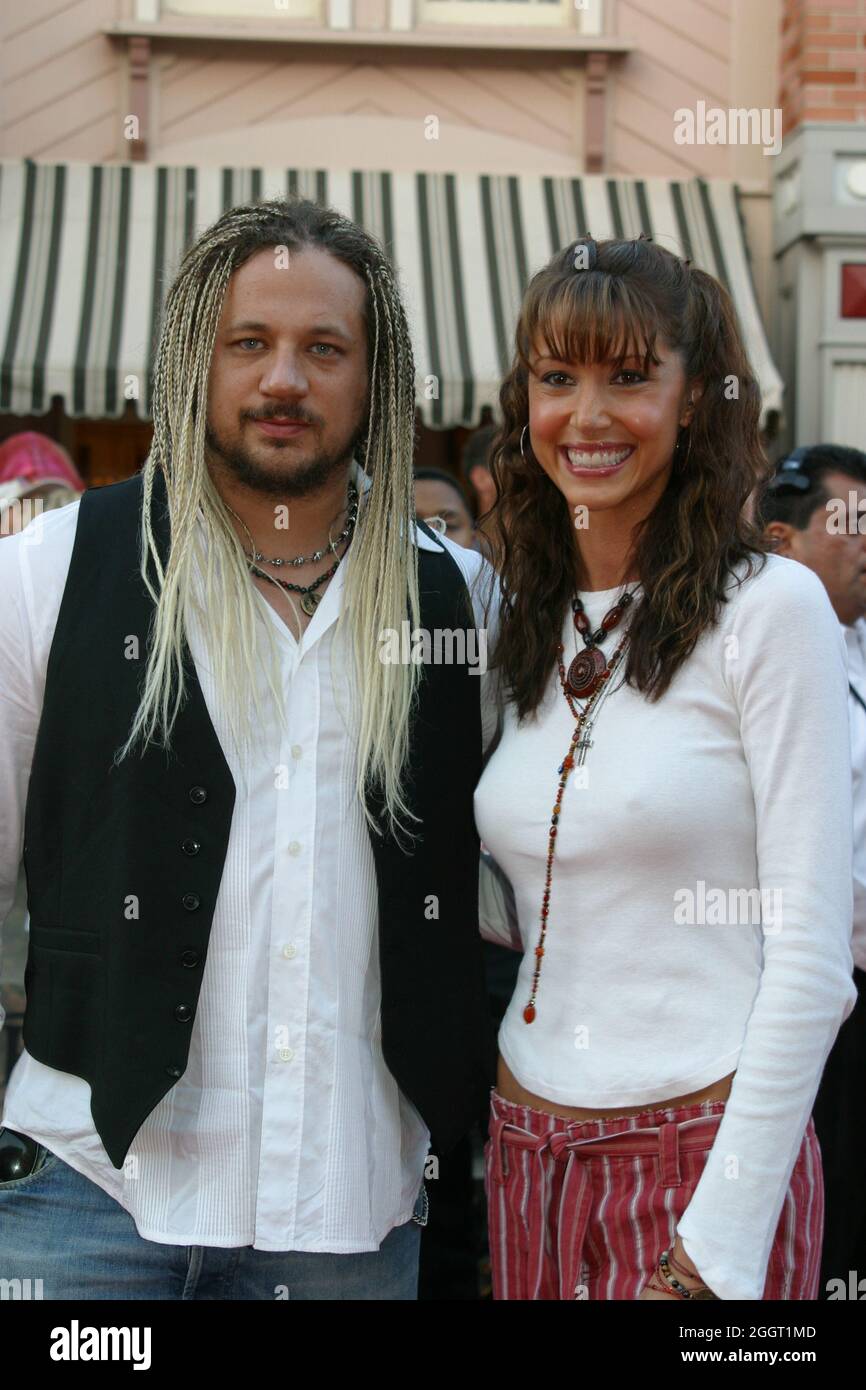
[[273, 10], [586, 19]]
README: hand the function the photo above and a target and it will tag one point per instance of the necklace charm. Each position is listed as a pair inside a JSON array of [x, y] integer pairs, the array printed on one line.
[[586, 672], [590, 668], [310, 603]]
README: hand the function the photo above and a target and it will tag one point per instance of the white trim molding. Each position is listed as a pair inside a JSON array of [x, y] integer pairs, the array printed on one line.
[[401, 14], [589, 16], [339, 14], [584, 17], [254, 12]]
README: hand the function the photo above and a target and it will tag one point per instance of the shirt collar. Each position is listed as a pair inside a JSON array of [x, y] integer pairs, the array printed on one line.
[[855, 642], [361, 479], [363, 482], [424, 542], [332, 599]]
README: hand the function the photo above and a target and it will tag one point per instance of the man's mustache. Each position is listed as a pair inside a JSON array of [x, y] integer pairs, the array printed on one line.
[[292, 414]]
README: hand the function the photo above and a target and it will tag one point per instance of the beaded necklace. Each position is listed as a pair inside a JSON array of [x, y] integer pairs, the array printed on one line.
[[589, 667], [309, 598], [576, 755]]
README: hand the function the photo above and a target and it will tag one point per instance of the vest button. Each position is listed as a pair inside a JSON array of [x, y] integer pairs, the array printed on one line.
[[198, 795], [191, 901], [190, 846], [183, 1013], [174, 1071], [189, 958]]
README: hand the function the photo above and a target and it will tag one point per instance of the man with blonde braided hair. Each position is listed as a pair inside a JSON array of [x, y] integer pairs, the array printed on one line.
[[254, 977]]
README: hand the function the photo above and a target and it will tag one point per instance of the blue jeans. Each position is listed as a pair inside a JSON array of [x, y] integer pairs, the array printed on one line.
[[59, 1227]]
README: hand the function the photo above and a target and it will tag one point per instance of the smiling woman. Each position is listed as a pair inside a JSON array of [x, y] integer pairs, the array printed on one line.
[[623, 371], [672, 753]]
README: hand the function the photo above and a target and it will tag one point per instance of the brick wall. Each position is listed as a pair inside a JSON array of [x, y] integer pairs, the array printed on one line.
[[823, 61]]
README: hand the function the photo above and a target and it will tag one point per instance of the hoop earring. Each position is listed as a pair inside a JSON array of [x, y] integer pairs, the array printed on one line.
[[522, 437], [680, 459]]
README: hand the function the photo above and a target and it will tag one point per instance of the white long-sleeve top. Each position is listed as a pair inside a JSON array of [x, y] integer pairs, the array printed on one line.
[[661, 973], [287, 1131], [855, 642]]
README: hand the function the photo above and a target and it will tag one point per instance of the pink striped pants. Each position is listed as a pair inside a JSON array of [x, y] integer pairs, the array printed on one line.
[[583, 1210]]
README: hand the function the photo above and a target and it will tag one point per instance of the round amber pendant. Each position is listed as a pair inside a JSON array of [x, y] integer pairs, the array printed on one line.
[[585, 672]]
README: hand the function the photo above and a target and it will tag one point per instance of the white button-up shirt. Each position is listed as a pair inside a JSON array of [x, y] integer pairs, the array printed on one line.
[[855, 641], [287, 1131]]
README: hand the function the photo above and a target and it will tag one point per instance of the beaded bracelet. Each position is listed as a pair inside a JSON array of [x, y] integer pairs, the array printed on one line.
[[678, 1289], [664, 1287], [660, 1287]]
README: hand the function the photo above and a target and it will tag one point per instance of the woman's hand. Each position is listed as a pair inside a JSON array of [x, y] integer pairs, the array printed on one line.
[[692, 1281], [656, 1294]]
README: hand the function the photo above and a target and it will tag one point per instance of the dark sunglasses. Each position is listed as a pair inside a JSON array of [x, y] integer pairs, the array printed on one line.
[[789, 477]]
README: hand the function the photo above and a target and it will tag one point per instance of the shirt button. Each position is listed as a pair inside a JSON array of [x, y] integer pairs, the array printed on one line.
[[189, 958], [197, 795], [294, 847], [190, 846], [183, 1013], [286, 1054], [289, 951], [191, 901], [174, 1071], [297, 750]]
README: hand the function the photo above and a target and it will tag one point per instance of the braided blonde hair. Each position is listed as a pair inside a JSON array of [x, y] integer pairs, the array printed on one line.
[[382, 561]]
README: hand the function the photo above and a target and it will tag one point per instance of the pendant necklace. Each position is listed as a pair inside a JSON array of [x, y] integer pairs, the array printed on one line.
[[590, 667], [309, 598], [593, 684]]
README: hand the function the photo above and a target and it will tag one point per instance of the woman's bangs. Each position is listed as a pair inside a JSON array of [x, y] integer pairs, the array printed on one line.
[[590, 319]]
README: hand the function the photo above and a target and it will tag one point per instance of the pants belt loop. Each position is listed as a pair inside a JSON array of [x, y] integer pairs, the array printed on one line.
[[497, 1123], [669, 1155]]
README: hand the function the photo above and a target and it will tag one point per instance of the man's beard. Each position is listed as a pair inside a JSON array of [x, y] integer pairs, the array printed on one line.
[[300, 480]]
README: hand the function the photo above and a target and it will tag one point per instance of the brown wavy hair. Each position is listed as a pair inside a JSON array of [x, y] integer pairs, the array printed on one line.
[[631, 294]]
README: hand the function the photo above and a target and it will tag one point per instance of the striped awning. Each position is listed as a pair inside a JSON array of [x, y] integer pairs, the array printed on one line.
[[88, 251]]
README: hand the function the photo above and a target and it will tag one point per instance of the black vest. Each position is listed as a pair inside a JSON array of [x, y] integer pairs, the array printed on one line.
[[124, 862]]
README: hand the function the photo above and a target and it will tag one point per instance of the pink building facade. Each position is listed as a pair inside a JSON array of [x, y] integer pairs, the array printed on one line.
[[473, 136]]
